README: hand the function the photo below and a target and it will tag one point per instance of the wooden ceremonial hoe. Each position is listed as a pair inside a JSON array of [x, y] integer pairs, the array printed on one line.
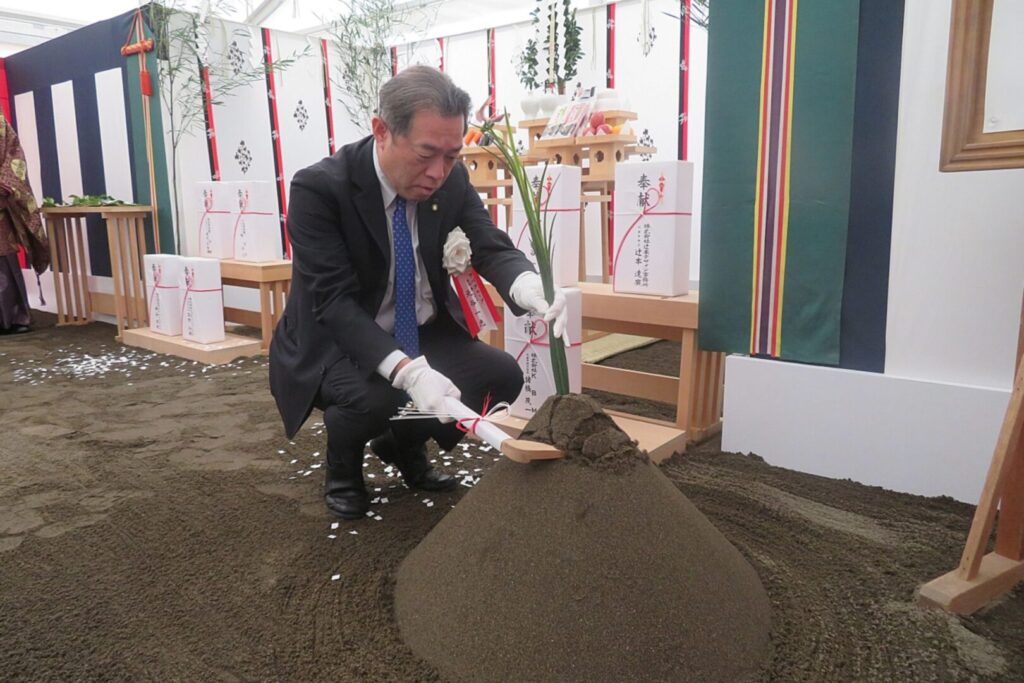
[[519, 450]]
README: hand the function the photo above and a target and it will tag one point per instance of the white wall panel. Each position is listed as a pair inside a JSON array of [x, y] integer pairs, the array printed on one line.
[[300, 104], [242, 119], [466, 64], [956, 271], [650, 84], [906, 435], [345, 129], [25, 106], [117, 168]]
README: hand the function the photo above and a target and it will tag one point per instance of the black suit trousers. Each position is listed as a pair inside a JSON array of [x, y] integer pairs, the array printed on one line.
[[357, 409]]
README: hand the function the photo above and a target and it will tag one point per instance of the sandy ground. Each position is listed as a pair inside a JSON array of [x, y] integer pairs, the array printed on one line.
[[155, 524]]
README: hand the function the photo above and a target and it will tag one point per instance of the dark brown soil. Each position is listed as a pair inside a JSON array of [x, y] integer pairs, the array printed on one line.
[[153, 526], [581, 570], [585, 433]]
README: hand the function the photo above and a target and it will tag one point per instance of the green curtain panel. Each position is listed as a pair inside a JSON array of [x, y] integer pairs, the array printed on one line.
[[777, 166]]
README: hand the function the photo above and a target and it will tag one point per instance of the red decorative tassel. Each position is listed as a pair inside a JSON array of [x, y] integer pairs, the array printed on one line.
[[146, 83]]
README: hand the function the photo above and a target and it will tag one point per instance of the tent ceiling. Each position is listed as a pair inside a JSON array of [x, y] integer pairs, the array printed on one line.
[[24, 23]]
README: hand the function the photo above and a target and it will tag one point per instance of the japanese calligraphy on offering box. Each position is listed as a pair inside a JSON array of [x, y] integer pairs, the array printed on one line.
[[653, 210], [526, 338], [163, 273], [255, 222], [560, 210], [215, 202], [202, 300]]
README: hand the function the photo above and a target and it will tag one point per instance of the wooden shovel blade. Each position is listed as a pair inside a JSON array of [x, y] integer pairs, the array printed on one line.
[[522, 450]]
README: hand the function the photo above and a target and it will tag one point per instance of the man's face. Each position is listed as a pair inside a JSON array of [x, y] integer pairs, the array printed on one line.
[[418, 162]]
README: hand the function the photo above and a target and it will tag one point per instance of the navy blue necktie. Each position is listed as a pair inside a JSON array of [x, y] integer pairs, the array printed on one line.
[[406, 331]]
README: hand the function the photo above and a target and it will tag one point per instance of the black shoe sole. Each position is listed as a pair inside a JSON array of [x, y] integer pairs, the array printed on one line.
[[346, 515]]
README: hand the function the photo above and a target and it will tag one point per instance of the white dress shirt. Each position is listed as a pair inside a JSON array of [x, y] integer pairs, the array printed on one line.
[[426, 310]]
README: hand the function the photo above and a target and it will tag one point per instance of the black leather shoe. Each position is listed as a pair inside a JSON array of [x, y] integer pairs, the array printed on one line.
[[431, 480], [412, 463], [344, 491]]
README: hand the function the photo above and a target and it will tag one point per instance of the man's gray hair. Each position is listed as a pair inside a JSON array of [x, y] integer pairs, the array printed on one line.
[[420, 88]]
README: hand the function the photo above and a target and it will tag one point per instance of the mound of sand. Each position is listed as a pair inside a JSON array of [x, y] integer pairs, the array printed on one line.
[[593, 568]]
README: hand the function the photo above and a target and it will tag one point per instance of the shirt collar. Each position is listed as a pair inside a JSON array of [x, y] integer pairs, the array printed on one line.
[[387, 191]]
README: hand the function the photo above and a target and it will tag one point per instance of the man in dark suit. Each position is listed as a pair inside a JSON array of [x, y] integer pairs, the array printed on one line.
[[372, 319]]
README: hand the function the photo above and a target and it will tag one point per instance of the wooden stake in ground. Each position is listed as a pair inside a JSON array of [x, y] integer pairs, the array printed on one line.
[[982, 577]]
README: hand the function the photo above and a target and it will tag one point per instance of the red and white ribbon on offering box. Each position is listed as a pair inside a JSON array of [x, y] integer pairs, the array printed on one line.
[[158, 273], [243, 210], [190, 278], [647, 209], [477, 306], [550, 185], [207, 211]]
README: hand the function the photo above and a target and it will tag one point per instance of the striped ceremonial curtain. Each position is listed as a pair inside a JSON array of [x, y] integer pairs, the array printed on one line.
[[777, 176], [78, 113]]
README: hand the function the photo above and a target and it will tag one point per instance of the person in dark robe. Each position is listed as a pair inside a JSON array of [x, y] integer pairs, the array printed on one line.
[[21, 228]]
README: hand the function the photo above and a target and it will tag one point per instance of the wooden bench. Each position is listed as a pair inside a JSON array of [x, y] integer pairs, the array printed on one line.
[[696, 393], [273, 279]]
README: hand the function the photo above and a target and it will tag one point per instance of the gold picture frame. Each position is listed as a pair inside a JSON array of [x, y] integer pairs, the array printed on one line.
[[965, 147]]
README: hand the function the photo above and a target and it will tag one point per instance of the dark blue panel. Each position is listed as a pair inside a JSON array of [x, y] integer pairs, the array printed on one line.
[[48, 170], [90, 152], [92, 48], [866, 285]]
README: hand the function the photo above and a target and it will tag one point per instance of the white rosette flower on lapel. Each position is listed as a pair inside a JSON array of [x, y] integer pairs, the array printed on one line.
[[457, 252]]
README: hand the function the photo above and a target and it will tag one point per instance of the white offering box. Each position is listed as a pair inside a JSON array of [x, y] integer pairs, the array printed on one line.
[[214, 203], [202, 318], [255, 222], [163, 293], [652, 250], [526, 339], [560, 202]]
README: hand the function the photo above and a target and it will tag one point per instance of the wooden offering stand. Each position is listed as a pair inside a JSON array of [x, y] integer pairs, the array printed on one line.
[[982, 577], [126, 237], [487, 174]]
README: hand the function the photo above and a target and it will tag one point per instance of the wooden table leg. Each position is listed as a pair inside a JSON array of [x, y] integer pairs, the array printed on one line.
[[606, 264], [265, 314], [83, 275], [113, 239], [51, 224], [687, 379]]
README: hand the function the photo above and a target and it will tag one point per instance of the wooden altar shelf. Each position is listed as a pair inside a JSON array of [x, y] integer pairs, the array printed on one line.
[[66, 234], [126, 236], [982, 577], [482, 164], [698, 391], [217, 353], [660, 441], [273, 279]]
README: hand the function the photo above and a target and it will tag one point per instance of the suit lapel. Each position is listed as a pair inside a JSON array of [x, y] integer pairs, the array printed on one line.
[[369, 201], [428, 225]]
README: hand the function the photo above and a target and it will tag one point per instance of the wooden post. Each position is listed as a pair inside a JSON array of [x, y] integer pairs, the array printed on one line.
[[982, 577]]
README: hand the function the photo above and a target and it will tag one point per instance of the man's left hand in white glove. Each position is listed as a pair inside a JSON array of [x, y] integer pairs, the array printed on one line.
[[528, 292]]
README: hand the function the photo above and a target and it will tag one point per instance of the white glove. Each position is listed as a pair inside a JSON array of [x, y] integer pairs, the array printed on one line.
[[426, 386], [528, 292]]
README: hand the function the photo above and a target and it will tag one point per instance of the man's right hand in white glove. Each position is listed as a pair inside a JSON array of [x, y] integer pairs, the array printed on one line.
[[426, 386]]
